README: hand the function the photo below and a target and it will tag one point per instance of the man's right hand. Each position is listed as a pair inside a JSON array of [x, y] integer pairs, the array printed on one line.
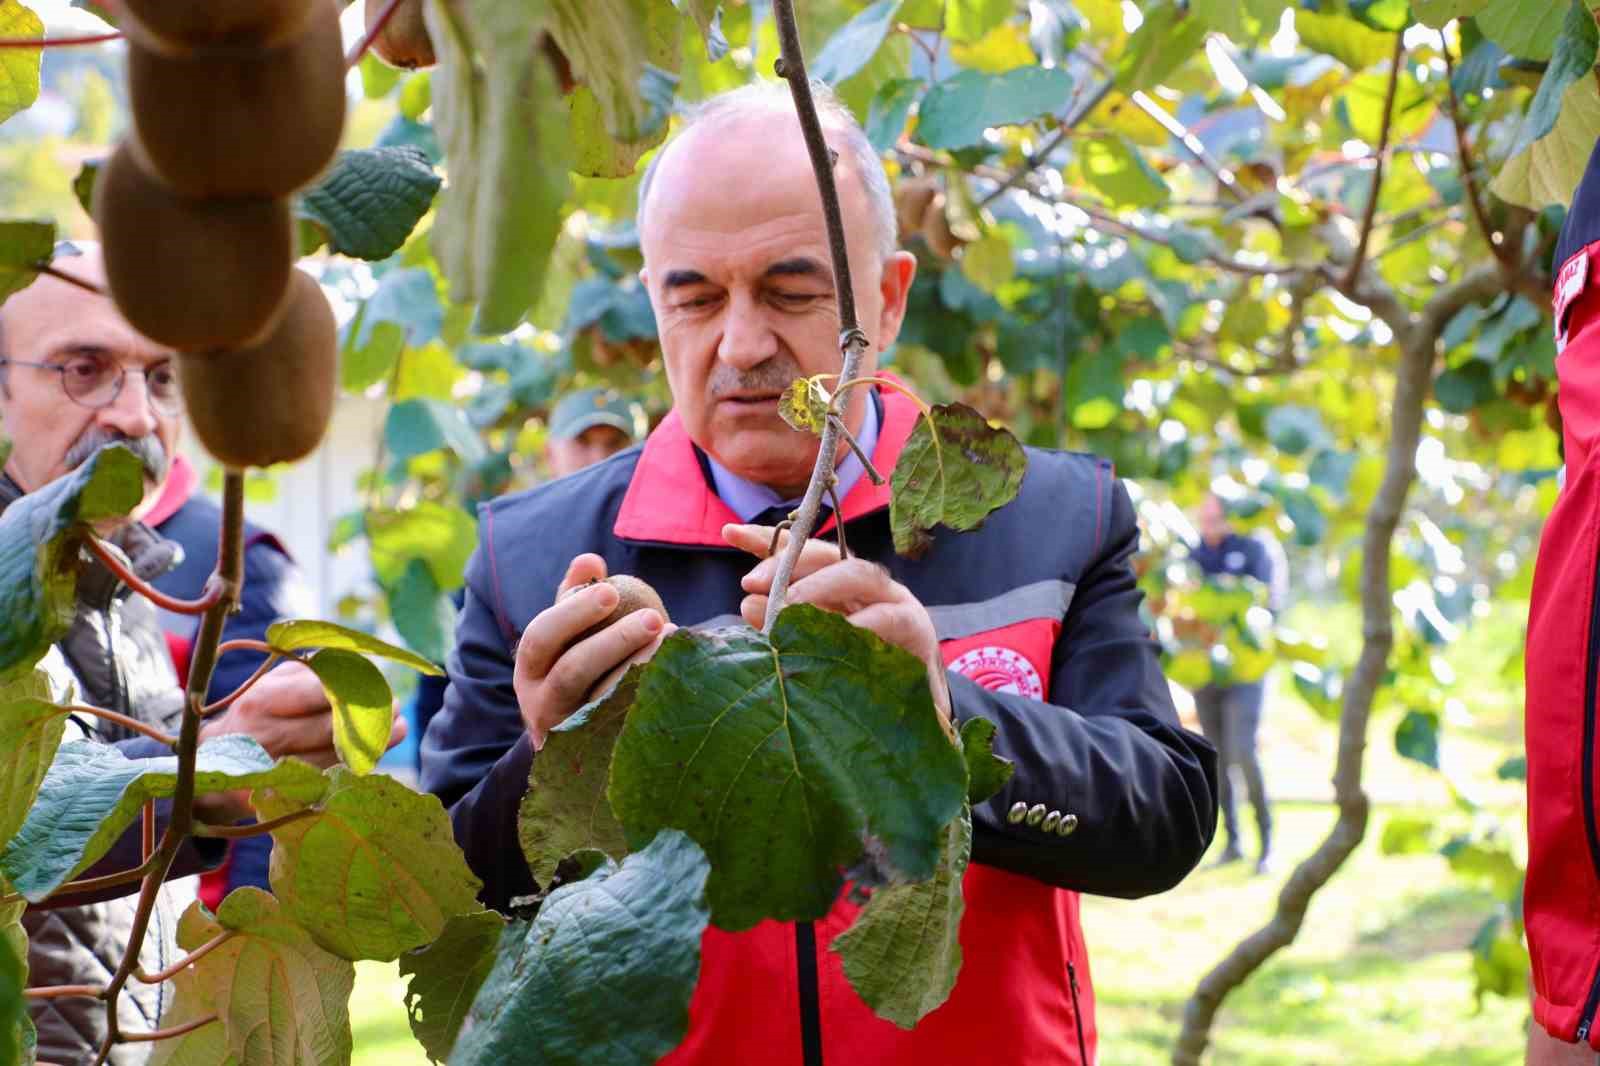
[[553, 676]]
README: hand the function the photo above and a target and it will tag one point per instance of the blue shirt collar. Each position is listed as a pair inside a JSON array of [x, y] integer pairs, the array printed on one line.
[[747, 499]]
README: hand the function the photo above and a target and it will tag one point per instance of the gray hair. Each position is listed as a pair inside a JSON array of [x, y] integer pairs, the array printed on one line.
[[765, 97]]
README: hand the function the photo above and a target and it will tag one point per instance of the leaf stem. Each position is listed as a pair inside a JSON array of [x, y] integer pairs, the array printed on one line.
[[838, 517], [114, 563], [888, 383], [246, 645], [1360, 258], [255, 829], [58, 42], [122, 720], [88, 884], [147, 831], [855, 446], [71, 279], [261, 671], [65, 992], [359, 49], [188, 960], [168, 1034]]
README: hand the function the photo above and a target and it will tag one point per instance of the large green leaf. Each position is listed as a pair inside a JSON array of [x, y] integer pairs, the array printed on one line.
[[400, 875], [445, 977], [566, 807], [309, 633], [957, 110], [504, 129], [609, 44], [790, 760], [363, 706], [445, 535], [604, 973], [954, 471], [1166, 40], [970, 20], [31, 725], [849, 49], [371, 200], [416, 427], [206, 1046], [39, 539], [1120, 173], [1573, 59], [1549, 171], [903, 952], [1438, 13], [889, 110], [1356, 46], [596, 153], [24, 246], [14, 1021], [422, 612], [1417, 737], [93, 792], [987, 773], [19, 67], [1528, 29], [282, 999]]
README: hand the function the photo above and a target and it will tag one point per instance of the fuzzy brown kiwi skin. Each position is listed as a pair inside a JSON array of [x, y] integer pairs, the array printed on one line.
[[191, 274], [239, 121], [179, 26], [268, 403], [633, 594], [404, 40]]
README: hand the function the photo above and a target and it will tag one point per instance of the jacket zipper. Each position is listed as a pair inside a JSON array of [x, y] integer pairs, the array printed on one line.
[[1077, 1013], [805, 959], [1591, 677]]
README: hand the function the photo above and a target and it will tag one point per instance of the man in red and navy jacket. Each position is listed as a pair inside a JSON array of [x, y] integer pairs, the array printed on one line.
[[1031, 622], [1561, 897]]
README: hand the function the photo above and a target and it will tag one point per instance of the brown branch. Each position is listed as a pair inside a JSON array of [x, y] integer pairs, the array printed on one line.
[[1469, 177], [255, 829], [168, 1034], [71, 279], [58, 42], [1354, 270], [88, 884], [65, 992], [359, 49], [147, 831], [855, 446], [188, 960], [227, 701], [114, 563], [121, 719], [1042, 153]]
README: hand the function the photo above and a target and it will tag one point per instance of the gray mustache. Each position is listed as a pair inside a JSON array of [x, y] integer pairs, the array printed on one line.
[[772, 376], [152, 456]]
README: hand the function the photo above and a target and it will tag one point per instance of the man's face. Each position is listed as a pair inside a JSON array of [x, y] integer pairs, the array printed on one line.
[[737, 266], [571, 454], [1213, 520], [65, 326]]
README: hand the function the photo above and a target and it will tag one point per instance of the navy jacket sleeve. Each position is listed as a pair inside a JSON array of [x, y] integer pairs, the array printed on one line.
[[1108, 751]]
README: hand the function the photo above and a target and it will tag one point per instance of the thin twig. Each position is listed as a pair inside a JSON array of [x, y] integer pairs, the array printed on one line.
[[1469, 177], [255, 829], [1360, 258], [147, 831], [123, 720], [855, 446], [246, 645], [168, 1034], [88, 884], [227, 701], [71, 279], [1042, 153], [188, 960], [114, 563], [65, 992], [838, 518], [359, 49], [58, 42]]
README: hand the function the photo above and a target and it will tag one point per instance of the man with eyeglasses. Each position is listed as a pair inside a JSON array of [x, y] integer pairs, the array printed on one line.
[[75, 377]]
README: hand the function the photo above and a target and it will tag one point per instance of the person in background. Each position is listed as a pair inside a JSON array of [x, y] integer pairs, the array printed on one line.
[[1230, 715]]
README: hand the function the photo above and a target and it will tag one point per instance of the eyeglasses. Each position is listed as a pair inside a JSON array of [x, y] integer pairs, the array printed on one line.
[[95, 381]]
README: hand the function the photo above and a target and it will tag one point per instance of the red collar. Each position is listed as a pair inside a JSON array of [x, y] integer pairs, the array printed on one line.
[[669, 501], [175, 491]]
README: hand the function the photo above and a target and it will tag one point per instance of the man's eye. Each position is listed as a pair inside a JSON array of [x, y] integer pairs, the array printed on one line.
[[163, 376], [83, 369], [696, 303], [798, 299]]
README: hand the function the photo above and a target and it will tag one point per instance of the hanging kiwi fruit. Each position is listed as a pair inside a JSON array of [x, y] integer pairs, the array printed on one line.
[[403, 42], [191, 274], [268, 402], [180, 26]]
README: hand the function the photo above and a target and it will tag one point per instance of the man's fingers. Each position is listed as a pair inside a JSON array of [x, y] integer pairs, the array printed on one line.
[[845, 587], [572, 675], [757, 540], [583, 569], [816, 555], [753, 609], [548, 635], [398, 730]]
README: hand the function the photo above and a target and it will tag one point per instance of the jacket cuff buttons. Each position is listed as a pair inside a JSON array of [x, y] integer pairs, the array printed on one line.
[[1037, 817]]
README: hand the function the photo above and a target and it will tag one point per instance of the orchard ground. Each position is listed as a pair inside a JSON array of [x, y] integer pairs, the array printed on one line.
[[1380, 974]]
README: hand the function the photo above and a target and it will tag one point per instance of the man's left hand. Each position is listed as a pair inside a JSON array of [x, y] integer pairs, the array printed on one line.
[[860, 590]]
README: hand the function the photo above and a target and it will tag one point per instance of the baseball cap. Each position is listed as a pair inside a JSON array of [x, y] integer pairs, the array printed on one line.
[[586, 408]]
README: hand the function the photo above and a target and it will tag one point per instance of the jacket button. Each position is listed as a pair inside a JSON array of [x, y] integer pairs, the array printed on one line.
[[1051, 820], [1018, 812], [1036, 814], [1069, 822]]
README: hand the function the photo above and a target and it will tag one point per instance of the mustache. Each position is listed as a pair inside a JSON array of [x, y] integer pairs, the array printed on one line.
[[152, 455], [774, 375]]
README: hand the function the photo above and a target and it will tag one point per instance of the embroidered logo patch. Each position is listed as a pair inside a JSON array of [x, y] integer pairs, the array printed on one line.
[[1000, 670]]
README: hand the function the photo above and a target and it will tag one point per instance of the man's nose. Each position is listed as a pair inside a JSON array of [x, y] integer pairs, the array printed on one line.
[[131, 412], [747, 340]]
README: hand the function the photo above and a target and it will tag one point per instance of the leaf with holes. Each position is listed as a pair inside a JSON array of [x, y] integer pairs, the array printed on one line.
[[363, 706], [371, 200], [93, 792], [401, 875], [566, 807], [954, 471], [289, 637], [623, 943], [804, 405], [445, 977], [789, 759], [19, 67]]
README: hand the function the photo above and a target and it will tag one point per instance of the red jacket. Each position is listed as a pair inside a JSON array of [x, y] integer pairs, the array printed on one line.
[[1037, 613]]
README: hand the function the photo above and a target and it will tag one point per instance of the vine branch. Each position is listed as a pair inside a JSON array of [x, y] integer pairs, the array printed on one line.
[[254, 829], [58, 42], [170, 1033], [113, 562], [123, 720], [188, 960], [65, 992], [227, 701], [1360, 257], [71, 279], [1042, 153]]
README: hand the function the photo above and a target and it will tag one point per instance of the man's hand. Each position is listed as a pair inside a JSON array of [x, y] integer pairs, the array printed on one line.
[[860, 590], [553, 676]]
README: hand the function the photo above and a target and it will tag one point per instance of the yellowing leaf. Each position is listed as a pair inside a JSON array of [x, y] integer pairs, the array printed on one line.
[[1120, 173], [988, 263], [1343, 38], [1549, 171], [19, 67], [1001, 49]]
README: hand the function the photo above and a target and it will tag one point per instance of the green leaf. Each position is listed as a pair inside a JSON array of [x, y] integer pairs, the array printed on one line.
[[445, 978], [596, 152], [416, 427], [1345, 39], [1120, 173], [283, 1000], [566, 807], [1407, 835], [369, 355], [1462, 388], [400, 874], [294, 636], [83, 184], [424, 615], [790, 760], [1310, 524], [1165, 41], [1225, 16], [604, 974], [93, 792], [371, 200], [855, 43], [363, 706], [957, 110], [954, 470], [31, 725], [378, 78], [443, 534], [1437, 13], [416, 96], [206, 1046], [1513, 769], [988, 263], [14, 1020], [1548, 172], [1417, 737], [1528, 29], [1573, 59], [40, 535], [1295, 430], [805, 404], [610, 44], [966, 21], [1500, 963], [409, 298], [903, 952], [1390, 15], [508, 144], [987, 773], [19, 67], [23, 246], [889, 110]]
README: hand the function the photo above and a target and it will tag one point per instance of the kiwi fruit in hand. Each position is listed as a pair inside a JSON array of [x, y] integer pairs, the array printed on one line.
[[632, 595], [179, 26], [269, 402], [191, 274], [403, 42]]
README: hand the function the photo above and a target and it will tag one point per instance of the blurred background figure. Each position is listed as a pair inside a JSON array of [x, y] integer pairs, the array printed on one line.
[[1230, 715]]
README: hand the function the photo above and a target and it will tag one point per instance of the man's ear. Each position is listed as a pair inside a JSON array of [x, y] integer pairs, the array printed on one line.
[[899, 270]]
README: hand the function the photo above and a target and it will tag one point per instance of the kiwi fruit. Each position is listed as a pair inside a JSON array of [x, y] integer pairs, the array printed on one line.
[[936, 230], [403, 42], [179, 26], [191, 274], [241, 122], [632, 595], [268, 402], [911, 200]]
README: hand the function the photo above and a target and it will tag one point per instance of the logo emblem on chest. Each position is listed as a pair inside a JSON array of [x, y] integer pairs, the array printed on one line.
[[1000, 670]]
